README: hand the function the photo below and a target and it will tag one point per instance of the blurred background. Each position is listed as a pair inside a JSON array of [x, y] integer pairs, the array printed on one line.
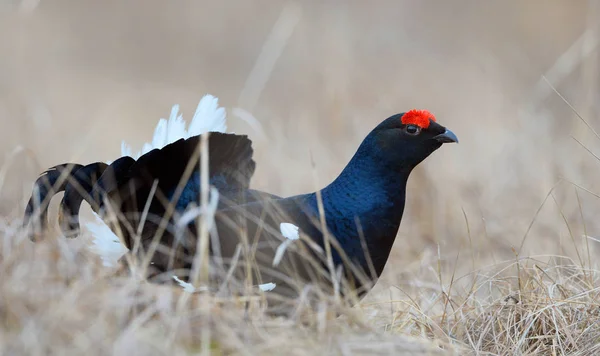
[[313, 78]]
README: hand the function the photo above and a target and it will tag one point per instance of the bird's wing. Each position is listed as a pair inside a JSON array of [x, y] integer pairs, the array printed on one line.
[[230, 162], [171, 175], [207, 117]]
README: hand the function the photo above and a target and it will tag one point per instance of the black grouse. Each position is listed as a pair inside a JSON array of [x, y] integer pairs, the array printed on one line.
[[155, 201]]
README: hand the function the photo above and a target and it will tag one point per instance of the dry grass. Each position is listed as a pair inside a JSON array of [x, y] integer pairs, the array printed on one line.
[[490, 258], [57, 299]]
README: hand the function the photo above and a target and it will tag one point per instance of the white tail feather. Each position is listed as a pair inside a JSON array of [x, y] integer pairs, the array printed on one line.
[[208, 117], [105, 243]]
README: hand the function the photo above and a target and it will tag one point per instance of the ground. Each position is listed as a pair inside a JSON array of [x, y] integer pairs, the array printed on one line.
[[496, 253]]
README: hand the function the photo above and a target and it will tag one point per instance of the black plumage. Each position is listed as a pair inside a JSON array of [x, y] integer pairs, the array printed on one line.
[[362, 207]]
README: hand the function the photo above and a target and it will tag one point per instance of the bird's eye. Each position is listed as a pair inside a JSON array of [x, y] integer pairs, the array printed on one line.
[[412, 130]]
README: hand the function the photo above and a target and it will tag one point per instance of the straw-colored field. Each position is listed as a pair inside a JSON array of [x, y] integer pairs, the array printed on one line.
[[497, 249]]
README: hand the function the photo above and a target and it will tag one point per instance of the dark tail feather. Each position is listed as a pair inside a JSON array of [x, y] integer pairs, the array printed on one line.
[[50, 183], [111, 179], [109, 185], [78, 189]]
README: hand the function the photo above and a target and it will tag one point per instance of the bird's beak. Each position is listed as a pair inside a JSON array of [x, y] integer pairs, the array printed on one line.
[[446, 137]]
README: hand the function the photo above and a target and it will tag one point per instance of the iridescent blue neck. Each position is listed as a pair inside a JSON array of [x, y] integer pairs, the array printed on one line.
[[369, 193]]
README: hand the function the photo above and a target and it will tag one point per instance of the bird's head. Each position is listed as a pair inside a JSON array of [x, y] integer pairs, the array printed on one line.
[[406, 139]]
